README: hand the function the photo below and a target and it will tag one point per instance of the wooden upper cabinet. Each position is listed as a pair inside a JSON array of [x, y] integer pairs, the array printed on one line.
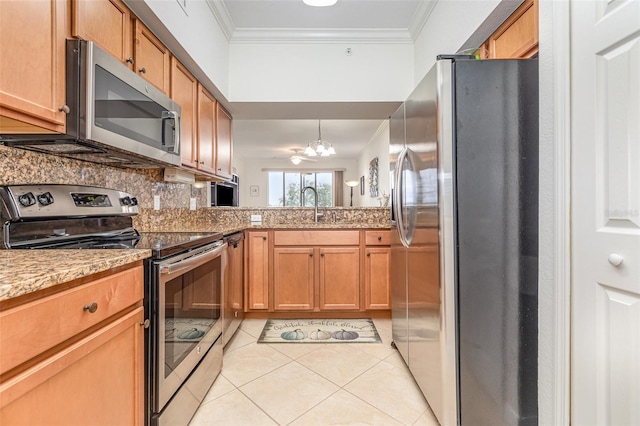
[[517, 37], [106, 22], [32, 66], [206, 131], [151, 58], [224, 143], [184, 90]]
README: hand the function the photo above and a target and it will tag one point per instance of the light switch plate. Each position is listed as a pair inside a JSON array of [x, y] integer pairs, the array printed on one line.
[[192, 203], [156, 202]]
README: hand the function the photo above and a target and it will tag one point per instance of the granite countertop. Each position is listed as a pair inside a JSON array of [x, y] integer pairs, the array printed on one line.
[[26, 271]]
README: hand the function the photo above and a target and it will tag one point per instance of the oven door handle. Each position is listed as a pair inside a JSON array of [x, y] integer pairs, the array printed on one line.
[[191, 261]]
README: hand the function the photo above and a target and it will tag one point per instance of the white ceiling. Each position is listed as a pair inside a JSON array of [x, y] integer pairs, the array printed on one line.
[[261, 131]]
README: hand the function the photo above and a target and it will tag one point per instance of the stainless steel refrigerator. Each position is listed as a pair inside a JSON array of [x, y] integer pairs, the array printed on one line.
[[464, 160]]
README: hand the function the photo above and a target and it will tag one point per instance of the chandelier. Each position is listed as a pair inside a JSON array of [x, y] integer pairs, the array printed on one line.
[[319, 147]]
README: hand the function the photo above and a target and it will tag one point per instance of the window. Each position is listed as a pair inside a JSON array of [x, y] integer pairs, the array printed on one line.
[[285, 187]]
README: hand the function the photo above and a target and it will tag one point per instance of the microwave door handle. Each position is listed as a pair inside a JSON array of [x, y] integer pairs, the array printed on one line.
[[187, 263], [174, 146]]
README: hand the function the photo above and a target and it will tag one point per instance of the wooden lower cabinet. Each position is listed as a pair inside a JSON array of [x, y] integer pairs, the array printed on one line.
[[98, 380], [94, 375], [377, 266], [339, 283], [257, 270], [317, 271], [293, 279]]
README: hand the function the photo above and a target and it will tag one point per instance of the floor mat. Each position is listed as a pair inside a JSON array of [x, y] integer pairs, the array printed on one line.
[[320, 331]]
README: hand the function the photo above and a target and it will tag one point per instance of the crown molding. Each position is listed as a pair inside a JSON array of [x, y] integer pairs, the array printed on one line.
[[222, 16], [320, 35], [324, 35], [421, 17]]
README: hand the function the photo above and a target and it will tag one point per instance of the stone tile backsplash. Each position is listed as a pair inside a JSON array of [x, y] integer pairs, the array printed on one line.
[[24, 167]]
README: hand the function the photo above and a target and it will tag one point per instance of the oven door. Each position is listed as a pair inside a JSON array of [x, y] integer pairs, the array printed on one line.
[[188, 315]]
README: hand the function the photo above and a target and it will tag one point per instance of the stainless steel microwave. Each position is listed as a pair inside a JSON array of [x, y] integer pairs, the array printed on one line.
[[225, 194], [114, 116]]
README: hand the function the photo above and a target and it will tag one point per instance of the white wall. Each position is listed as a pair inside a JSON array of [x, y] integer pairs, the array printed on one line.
[[449, 26], [377, 147], [294, 72], [253, 174]]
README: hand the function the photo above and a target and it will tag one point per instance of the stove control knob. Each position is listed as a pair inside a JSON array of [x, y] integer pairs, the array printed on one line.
[[45, 199], [134, 201], [27, 199], [125, 201]]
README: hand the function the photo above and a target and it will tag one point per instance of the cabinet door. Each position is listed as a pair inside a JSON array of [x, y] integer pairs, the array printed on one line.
[[376, 282], [206, 131], [224, 144], [97, 380], [517, 37], [106, 22], [340, 278], [150, 57], [293, 279], [236, 278], [257, 264], [184, 90], [32, 66]]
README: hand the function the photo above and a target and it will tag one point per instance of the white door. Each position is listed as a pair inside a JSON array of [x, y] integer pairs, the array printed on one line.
[[605, 105]]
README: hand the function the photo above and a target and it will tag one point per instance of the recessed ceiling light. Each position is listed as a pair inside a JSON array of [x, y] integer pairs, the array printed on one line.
[[319, 3]]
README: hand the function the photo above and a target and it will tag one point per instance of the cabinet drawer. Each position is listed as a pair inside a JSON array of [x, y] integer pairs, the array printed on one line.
[[377, 238], [316, 238], [32, 328]]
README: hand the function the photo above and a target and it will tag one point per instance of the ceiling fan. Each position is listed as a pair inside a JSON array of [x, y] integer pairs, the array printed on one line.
[[296, 158]]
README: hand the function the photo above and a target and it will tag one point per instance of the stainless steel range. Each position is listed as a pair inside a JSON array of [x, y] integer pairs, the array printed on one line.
[[183, 282]]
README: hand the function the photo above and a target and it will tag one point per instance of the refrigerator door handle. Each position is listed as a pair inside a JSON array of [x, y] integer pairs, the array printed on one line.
[[399, 199]]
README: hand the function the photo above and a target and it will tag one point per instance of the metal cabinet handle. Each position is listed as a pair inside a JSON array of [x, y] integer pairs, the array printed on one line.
[[321, 254], [310, 254], [145, 323], [264, 238], [65, 109], [379, 237], [142, 70], [202, 163], [129, 60], [91, 308], [368, 254]]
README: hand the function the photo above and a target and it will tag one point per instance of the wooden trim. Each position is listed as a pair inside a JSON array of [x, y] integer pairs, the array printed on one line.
[[554, 302]]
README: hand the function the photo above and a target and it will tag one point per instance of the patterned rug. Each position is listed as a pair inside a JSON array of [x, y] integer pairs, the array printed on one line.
[[319, 331]]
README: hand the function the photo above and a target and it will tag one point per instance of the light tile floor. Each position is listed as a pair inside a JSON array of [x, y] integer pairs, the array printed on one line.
[[313, 384]]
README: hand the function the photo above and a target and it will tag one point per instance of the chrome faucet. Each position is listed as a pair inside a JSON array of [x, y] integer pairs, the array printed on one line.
[[316, 215]]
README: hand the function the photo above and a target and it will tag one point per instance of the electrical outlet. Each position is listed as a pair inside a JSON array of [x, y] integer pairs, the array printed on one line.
[[192, 203], [156, 202], [256, 218]]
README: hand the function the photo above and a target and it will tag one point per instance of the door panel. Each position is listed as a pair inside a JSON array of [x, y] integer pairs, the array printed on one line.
[[605, 375]]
